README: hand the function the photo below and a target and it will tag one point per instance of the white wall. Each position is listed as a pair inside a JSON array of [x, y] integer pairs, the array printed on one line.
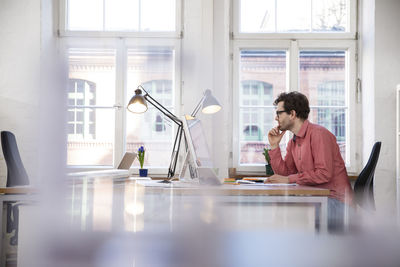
[[367, 69], [222, 121], [206, 65], [48, 137], [31, 95], [387, 76], [19, 78], [381, 73], [205, 52], [52, 99]]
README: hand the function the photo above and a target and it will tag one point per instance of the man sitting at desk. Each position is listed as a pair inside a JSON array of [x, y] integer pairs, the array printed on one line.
[[312, 155]]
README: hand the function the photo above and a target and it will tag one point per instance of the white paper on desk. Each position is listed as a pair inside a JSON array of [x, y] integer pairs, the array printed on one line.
[[174, 184], [153, 183]]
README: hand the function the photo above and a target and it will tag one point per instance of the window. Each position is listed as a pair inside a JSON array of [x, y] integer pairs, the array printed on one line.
[[91, 96], [255, 110], [120, 15], [262, 75], [109, 54], [81, 121], [312, 52], [322, 79], [162, 91], [294, 16], [154, 70]]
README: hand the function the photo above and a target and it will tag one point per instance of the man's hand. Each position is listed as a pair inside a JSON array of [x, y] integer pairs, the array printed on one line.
[[274, 137], [278, 179]]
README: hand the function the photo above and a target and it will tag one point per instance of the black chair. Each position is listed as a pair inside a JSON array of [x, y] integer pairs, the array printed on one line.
[[16, 175], [364, 185]]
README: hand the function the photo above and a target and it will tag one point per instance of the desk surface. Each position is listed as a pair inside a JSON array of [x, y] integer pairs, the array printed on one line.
[[248, 190], [117, 206], [17, 190], [225, 189], [193, 188], [104, 203]]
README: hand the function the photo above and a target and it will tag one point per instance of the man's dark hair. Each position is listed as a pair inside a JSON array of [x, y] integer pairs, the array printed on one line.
[[294, 101]]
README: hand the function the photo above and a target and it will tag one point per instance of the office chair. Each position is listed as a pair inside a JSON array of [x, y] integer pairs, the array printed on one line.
[[364, 185], [16, 175]]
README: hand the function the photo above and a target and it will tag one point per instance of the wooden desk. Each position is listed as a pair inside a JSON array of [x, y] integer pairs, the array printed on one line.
[[250, 190], [260, 195], [134, 206], [17, 190]]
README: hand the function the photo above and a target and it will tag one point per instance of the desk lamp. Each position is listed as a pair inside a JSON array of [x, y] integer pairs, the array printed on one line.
[[209, 104], [138, 104]]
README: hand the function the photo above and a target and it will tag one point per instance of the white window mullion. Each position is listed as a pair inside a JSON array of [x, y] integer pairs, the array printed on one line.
[[276, 17], [120, 100], [140, 16], [311, 17], [352, 16], [293, 79], [62, 22], [178, 101], [236, 108], [104, 15], [355, 133]]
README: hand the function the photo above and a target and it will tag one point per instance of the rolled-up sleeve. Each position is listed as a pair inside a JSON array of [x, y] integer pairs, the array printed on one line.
[[282, 167]]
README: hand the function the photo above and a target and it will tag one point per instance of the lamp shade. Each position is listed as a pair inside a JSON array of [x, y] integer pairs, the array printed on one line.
[[138, 103], [210, 103]]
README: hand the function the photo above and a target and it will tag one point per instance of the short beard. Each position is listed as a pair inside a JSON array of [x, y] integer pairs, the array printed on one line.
[[281, 128]]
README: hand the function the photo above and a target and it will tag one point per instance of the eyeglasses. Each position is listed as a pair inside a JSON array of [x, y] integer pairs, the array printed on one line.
[[278, 112]]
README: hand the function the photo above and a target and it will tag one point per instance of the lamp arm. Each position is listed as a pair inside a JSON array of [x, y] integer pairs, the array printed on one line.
[[160, 107], [163, 110], [197, 108], [175, 152], [178, 136]]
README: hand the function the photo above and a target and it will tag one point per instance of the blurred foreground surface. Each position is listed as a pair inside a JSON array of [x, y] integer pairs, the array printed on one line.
[[111, 222]]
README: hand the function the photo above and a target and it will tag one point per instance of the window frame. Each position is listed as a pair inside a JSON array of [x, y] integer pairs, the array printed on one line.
[[121, 46], [64, 32], [76, 107], [293, 48], [351, 34]]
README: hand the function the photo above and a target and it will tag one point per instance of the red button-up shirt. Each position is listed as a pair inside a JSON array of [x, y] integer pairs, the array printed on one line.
[[314, 159]]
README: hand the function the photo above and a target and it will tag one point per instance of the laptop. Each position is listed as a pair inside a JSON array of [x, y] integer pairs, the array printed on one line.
[[127, 161], [207, 176], [122, 170]]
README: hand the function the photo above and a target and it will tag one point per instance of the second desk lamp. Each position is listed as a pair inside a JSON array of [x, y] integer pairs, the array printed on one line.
[[208, 103]]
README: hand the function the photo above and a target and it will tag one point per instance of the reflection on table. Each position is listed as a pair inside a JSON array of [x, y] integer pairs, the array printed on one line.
[[128, 205]]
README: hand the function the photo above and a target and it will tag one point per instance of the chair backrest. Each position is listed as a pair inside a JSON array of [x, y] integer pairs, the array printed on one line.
[[16, 173], [364, 185]]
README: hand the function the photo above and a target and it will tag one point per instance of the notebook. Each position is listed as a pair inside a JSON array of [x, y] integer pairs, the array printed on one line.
[[121, 172]]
